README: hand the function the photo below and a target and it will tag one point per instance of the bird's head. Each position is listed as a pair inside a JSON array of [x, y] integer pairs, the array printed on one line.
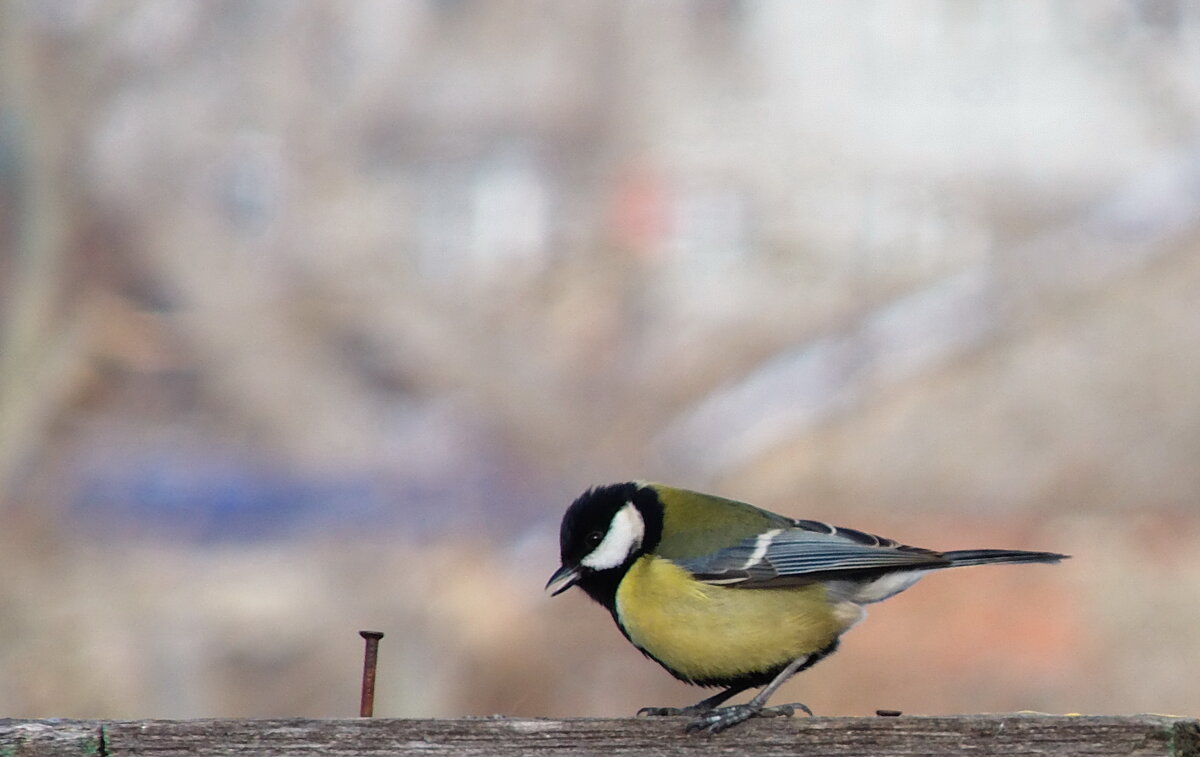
[[603, 532]]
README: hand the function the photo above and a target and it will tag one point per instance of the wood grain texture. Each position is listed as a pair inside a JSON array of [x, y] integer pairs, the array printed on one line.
[[1007, 735], [50, 738]]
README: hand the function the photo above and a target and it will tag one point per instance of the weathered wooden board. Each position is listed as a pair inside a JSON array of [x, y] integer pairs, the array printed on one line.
[[50, 738], [981, 735], [1006, 735]]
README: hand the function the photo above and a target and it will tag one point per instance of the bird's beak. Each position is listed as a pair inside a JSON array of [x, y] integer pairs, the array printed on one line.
[[567, 575]]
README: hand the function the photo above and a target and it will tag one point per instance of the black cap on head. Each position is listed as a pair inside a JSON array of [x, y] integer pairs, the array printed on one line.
[[587, 519], [587, 523]]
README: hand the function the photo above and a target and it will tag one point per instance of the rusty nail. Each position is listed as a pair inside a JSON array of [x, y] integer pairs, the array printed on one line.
[[366, 707]]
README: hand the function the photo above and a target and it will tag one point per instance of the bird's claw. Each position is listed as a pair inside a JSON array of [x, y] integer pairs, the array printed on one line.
[[721, 718]]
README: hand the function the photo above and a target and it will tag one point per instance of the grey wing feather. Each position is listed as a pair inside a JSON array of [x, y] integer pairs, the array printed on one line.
[[811, 551]]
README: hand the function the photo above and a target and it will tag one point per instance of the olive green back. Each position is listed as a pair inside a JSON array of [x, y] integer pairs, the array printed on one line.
[[696, 524]]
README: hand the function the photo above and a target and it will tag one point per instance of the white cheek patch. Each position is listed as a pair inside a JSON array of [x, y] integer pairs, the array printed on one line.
[[624, 536]]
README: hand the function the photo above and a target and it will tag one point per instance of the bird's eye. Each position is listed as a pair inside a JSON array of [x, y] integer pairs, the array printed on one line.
[[593, 539]]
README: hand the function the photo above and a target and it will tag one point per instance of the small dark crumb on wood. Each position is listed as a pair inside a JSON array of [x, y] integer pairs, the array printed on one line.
[[888, 713]]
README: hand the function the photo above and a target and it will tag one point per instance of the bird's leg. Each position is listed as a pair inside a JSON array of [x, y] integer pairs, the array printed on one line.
[[703, 706], [718, 719]]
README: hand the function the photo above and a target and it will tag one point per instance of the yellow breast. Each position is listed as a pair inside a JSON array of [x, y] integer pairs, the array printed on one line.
[[704, 631]]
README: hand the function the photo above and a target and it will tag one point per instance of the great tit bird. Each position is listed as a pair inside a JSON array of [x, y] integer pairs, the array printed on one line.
[[722, 593]]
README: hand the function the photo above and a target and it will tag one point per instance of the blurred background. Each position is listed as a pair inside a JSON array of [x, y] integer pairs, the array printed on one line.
[[314, 317]]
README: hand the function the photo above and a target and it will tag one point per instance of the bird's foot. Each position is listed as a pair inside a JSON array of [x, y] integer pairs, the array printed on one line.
[[653, 712], [721, 718]]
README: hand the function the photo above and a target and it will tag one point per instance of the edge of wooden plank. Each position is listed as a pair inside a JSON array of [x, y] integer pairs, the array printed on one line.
[[1003, 734], [986, 734]]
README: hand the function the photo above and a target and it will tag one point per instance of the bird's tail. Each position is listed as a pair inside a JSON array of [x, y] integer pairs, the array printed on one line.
[[986, 556]]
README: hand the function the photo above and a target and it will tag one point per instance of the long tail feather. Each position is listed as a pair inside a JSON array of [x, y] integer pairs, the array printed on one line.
[[985, 556]]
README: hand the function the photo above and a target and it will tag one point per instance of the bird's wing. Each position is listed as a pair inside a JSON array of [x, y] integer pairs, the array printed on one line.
[[687, 533], [807, 551]]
